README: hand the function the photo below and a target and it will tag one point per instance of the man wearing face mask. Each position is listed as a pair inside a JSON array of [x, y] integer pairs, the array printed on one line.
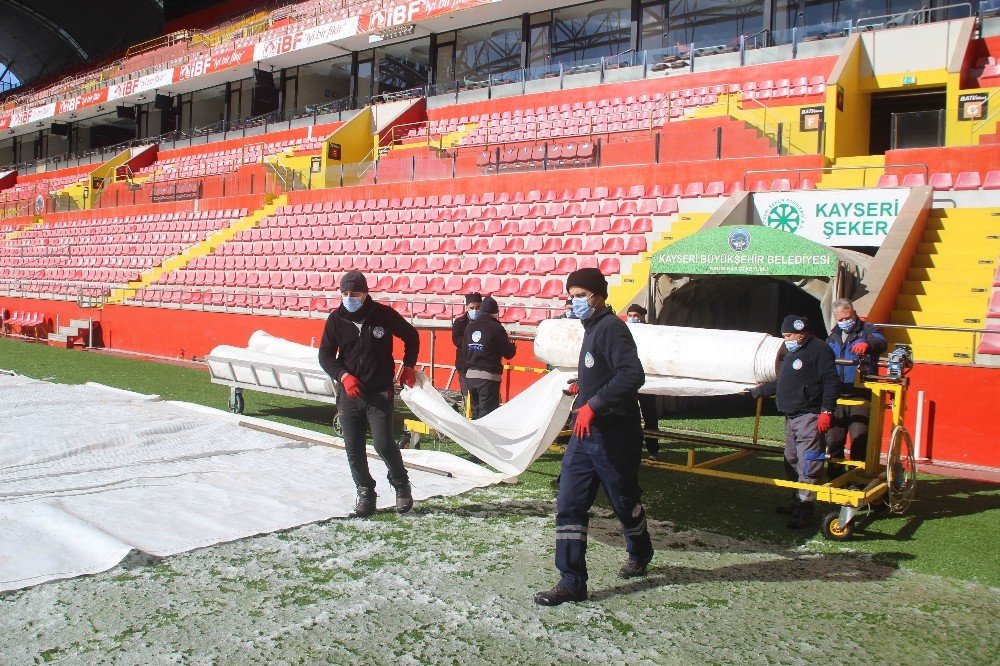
[[606, 446], [851, 339], [806, 392], [486, 343], [472, 304], [636, 314], [357, 351]]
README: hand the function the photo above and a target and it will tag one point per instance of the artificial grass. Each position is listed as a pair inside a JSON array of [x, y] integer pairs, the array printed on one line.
[[950, 529]]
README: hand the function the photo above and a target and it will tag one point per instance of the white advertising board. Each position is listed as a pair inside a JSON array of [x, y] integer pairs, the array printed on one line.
[[835, 218]]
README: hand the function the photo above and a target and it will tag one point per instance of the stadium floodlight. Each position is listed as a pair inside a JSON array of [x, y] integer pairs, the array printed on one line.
[[393, 32]]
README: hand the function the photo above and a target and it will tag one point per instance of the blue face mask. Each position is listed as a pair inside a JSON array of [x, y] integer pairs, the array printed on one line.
[[352, 303], [633, 320], [473, 314], [581, 307], [791, 345], [846, 325]]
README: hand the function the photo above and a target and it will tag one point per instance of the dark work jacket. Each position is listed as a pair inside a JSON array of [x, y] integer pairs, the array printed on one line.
[[862, 332], [458, 338], [609, 370], [366, 354], [483, 352], [807, 380]]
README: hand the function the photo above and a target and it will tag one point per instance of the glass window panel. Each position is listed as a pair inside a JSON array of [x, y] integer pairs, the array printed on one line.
[[815, 12], [403, 66], [588, 32], [488, 49], [653, 21], [322, 82], [713, 22]]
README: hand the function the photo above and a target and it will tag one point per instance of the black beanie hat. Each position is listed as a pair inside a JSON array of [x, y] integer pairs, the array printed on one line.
[[590, 279], [354, 281], [474, 297], [489, 306], [795, 324], [636, 308]]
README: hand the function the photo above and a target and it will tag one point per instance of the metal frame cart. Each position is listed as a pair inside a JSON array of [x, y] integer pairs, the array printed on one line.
[[866, 483]]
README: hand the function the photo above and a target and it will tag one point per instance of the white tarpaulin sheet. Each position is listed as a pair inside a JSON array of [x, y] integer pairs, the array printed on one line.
[[508, 439], [678, 360], [88, 473]]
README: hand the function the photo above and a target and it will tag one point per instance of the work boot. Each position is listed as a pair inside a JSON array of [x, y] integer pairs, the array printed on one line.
[[404, 497], [801, 513], [559, 594], [633, 568], [366, 503]]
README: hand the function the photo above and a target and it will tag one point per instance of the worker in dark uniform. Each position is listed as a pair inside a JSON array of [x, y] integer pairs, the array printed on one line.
[[606, 446], [636, 314], [852, 339], [357, 352], [486, 343], [806, 393], [472, 303]]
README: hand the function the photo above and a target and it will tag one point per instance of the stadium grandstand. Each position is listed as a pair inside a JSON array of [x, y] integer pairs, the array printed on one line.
[[216, 174]]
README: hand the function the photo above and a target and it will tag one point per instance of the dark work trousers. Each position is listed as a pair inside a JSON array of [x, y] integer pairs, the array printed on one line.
[[374, 409], [650, 420], [847, 421], [608, 459], [485, 394], [805, 453]]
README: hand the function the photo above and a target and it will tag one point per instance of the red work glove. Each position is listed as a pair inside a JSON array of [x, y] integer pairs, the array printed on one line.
[[859, 348], [823, 422], [572, 388], [407, 376], [352, 387], [581, 427]]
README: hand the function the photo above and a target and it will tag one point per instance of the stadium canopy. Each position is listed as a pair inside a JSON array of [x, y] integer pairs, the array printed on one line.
[[41, 38], [742, 276]]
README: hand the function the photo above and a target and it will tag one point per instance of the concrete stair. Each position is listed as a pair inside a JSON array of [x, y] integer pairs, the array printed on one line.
[[68, 336], [855, 177], [632, 282], [949, 285], [200, 249]]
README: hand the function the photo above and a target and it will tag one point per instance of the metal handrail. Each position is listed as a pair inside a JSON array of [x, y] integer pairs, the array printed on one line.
[[871, 22], [833, 168], [978, 126]]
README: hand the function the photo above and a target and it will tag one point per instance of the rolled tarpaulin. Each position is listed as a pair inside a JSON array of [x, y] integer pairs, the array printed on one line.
[[737, 357], [265, 343]]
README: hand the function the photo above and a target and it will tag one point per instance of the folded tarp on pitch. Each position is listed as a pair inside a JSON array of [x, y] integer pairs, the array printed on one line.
[[89, 473], [508, 439]]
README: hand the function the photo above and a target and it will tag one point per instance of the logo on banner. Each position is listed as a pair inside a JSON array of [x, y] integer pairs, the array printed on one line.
[[784, 215], [739, 239]]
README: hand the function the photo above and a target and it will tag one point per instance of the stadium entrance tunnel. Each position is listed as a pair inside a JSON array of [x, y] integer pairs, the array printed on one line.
[[748, 277]]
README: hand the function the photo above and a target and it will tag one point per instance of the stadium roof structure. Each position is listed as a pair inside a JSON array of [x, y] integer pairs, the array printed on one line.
[[40, 38]]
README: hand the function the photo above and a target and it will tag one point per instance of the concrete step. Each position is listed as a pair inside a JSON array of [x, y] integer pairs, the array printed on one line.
[[943, 288], [71, 331], [967, 304], [82, 324], [971, 275], [973, 245], [955, 319], [951, 259], [964, 234], [936, 346]]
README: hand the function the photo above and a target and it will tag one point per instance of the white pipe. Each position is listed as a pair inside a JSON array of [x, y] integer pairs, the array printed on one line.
[[918, 432]]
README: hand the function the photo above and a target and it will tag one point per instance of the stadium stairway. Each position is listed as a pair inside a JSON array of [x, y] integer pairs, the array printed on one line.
[[630, 284], [949, 284], [846, 172], [17, 232], [199, 249]]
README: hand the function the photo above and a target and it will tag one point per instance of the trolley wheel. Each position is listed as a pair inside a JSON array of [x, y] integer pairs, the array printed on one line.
[[236, 401], [833, 530], [900, 471]]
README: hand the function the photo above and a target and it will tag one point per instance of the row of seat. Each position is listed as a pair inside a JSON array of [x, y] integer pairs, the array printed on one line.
[[513, 313], [548, 154], [965, 180]]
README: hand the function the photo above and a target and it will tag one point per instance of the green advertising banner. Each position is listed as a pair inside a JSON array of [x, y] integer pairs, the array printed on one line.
[[745, 250]]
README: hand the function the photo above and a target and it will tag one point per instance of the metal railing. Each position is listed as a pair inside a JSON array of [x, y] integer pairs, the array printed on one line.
[[798, 172], [910, 17]]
